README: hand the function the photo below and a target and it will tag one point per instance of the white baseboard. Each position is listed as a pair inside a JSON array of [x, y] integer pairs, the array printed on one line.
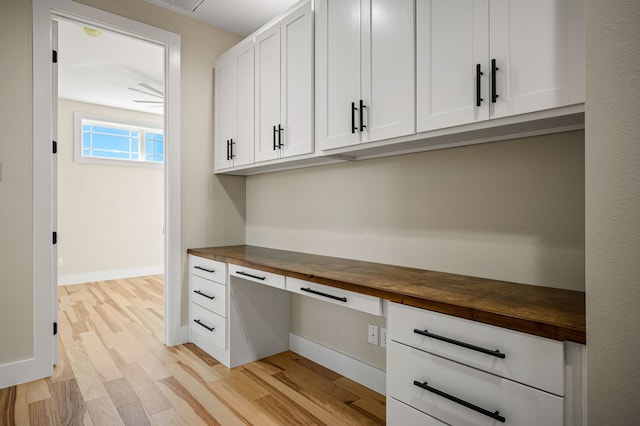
[[114, 274], [358, 371]]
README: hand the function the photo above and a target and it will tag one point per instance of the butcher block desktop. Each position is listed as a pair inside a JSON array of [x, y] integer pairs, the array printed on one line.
[[542, 311]]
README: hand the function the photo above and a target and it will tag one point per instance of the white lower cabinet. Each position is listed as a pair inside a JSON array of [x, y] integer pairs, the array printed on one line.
[[463, 372], [404, 415], [237, 314], [462, 395], [349, 299]]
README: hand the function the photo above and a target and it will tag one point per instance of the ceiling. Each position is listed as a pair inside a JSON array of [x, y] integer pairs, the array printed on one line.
[[241, 17], [104, 68], [101, 70]]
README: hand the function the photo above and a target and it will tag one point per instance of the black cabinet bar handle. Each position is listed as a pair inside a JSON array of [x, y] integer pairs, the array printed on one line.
[[274, 138], [280, 130], [478, 82], [495, 353], [362, 107], [228, 155], [353, 117], [319, 293], [495, 415], [211, 271], [197, 321], [231, 154], [494, 94], [252, 276], [204, 294]]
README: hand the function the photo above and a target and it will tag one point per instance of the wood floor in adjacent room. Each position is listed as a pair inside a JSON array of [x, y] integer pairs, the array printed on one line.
[[113, 369]]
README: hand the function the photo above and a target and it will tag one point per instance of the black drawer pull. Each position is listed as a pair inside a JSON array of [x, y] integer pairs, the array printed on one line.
[[478, 83], [319, 293], [353, 117], [494, 90], [496, 415], [252, 276], [204, 294], [274, 138], [362, 107], [200, 323], [211, 271], [495, 353]]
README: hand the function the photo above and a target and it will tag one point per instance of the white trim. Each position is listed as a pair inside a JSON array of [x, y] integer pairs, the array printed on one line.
[[114, 274], [358, 371], [19, 372], [41, 365]]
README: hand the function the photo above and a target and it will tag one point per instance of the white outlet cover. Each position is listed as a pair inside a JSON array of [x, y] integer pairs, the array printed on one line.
[[372, 335]]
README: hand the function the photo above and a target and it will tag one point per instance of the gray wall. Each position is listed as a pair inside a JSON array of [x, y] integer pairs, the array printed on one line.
[[612, 151], [16, 187], [510, 210]]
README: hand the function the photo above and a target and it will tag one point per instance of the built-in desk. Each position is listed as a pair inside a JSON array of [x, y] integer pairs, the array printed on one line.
[[542, 311], [461, 350]]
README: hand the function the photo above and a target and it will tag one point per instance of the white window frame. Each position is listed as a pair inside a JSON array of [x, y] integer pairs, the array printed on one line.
[[142, 127]]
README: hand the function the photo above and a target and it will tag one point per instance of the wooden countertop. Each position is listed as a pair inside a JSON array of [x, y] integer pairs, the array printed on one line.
[[542, 311]]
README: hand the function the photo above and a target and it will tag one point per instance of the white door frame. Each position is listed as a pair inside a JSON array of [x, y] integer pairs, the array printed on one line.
[[43, 203]]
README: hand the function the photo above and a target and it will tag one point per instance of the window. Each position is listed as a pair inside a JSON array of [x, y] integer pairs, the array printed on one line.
[[115, 141]]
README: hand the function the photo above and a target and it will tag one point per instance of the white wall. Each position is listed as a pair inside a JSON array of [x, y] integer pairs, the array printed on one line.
[[110, 218], [613, 211], [510, 210], [212, 207]]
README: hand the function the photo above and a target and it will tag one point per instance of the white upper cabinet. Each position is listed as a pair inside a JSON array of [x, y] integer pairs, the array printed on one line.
[[365, 71], [234, 100], [284, 80], [452, 54], [538, 47], [477, 61]]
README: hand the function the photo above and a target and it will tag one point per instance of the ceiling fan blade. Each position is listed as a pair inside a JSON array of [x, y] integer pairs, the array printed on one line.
[[153, 89], [146, 93], [148, 102]]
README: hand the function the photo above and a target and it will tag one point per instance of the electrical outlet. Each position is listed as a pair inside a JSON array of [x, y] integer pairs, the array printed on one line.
[[383, 337], [60, 263], [372, 335]]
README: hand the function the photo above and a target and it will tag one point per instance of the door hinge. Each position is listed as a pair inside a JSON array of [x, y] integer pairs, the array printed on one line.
[[55, 56], [55, 328], [55, 238], [55, 147]]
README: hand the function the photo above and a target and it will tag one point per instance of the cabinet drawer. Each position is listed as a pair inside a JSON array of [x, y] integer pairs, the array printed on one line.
[[518, 404], [256, 275], [533, 360], [208, 325], [401, 414], [346, 298], [209, 269], [210, 295]]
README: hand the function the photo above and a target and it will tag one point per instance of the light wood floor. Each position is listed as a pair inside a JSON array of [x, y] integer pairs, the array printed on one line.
[[113, 369]]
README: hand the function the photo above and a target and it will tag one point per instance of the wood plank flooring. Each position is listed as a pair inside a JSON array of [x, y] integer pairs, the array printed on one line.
[[114, 369]]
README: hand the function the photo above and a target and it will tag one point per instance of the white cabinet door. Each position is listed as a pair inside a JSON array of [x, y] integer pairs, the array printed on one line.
[[338, 72], [225, 101], [539, 52], [452, 52], [366, 73], [234, 100], [242, 147], [267, 106], [297, 112], [388, 70]]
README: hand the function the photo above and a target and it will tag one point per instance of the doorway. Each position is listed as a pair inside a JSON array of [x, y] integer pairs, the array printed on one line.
[[110, 155], [45, 261]]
